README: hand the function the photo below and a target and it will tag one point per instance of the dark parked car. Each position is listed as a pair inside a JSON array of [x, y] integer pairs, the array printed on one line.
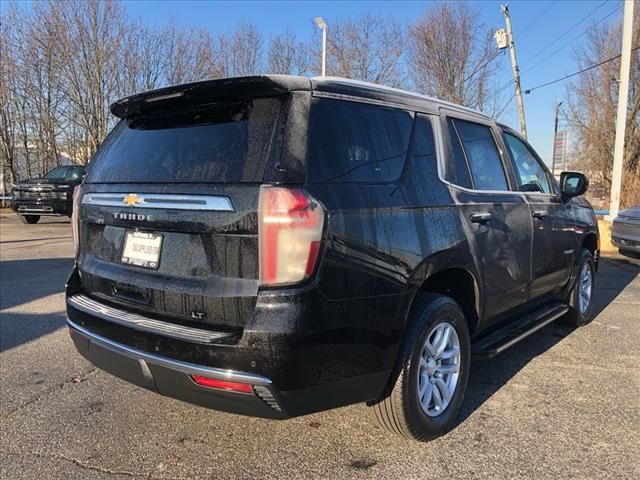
[[275, 246], [625, 231], [49, 195]]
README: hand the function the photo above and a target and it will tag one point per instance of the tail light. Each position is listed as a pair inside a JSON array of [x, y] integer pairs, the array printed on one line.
[[75, 218], [290, 230]]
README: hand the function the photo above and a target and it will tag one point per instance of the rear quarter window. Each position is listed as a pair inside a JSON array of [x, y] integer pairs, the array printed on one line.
[[356, 142]]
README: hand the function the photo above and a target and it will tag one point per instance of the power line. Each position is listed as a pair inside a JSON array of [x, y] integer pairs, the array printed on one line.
[[501, 111], [482, 65], [573, 39], [578, 72], [510, 82], [565, 32], [526, 29]]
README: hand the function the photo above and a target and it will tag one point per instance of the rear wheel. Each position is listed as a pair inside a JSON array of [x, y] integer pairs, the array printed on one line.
[[433, 372], [581, 296], [30, 219]]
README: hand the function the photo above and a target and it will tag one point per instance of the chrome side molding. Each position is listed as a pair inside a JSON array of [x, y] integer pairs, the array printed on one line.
[[160, 200]]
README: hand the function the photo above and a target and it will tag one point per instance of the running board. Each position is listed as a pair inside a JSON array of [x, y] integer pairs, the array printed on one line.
[[498, 341]]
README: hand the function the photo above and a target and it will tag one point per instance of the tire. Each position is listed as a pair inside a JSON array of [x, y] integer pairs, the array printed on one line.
[[579, 313], [400, 411], [30, 219]]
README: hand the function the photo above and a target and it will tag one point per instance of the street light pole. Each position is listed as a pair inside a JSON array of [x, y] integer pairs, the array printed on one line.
[[621, 118], [555, 139], [322, 25]]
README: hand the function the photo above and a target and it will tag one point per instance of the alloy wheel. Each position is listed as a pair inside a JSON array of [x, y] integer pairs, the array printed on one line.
[[586, 285], [439, 369]]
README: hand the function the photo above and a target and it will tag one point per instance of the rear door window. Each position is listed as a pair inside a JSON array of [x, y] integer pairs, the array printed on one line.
[[482, 155], [357, 142], [215, 143]]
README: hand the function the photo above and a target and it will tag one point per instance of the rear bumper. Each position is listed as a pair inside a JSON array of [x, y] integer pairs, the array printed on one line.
[[172, 378], [291, 372]]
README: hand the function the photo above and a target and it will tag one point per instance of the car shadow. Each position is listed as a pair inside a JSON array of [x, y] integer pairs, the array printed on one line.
[[489, 375], [614, 275], [23, 282], [21, 328]]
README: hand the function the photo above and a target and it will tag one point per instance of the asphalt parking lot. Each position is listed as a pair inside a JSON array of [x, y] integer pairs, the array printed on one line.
[[562, 404]]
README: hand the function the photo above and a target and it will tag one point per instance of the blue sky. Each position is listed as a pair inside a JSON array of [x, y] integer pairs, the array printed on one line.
[[536, 24]]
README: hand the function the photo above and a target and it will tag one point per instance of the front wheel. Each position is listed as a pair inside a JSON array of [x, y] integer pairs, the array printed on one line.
[[582, 295], [433, 374], [30, 219]]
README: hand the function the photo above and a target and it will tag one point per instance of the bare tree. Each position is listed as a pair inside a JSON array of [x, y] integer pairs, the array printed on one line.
[[366, 48], [9, 114], [143, 59], [287, 56], [93, 41], [189, 55], [450, 52], [43, 83], [241, 52], [31, 90], [592, 108]]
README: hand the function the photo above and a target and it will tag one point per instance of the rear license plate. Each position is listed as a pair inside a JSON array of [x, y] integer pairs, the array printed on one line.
[[142, 249]]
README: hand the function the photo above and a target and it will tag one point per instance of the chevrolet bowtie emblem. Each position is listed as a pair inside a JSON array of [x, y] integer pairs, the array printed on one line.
[[132, 199]]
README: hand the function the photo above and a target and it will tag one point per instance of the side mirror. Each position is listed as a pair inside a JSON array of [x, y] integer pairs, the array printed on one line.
[[573, 184]]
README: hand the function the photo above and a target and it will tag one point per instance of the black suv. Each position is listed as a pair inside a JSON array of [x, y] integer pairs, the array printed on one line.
[[49, 195], [276, 245]]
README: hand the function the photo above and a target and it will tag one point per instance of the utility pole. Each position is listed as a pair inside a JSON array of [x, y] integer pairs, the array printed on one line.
[[516, 71], [555, 140], [621, 118]]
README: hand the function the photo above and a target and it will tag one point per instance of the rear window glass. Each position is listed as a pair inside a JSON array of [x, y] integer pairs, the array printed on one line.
[[220, 142], [357, 142]]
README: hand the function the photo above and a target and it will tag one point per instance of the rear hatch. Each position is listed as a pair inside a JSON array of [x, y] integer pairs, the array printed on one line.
[[168, 222]]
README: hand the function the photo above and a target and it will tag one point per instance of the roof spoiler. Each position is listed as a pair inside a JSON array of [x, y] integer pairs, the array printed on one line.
[[208, 91]]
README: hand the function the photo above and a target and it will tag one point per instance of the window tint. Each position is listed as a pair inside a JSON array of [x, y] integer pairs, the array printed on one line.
[[220, 142], [457, 169], [356, 142], [482, 155], [529, 173]]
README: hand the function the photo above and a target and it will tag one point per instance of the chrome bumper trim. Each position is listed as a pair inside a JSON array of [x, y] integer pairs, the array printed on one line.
[[177, 365], [35, 210], [145, 324]]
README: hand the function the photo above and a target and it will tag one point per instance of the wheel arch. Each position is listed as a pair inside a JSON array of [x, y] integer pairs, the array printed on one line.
[[462, 286], [439, 275]]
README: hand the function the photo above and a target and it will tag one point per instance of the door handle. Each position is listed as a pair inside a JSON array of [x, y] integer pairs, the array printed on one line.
[[480, 217], [539, 213]]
